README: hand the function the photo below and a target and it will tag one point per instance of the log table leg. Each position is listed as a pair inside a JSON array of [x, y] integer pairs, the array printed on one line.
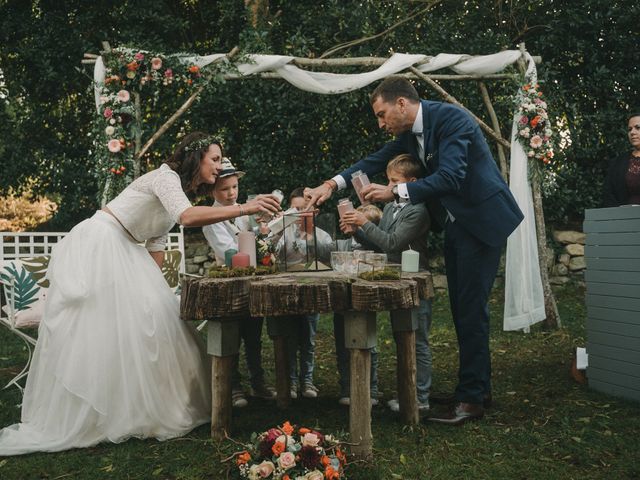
[[223, 343], [404, 324], [360, 337], [279, 329]]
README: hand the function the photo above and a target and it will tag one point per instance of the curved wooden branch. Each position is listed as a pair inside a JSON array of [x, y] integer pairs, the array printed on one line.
[[352, 43], [181, 110], [451, 99], [504, 168]]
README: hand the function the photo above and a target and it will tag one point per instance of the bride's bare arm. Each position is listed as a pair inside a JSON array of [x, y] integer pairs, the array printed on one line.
[[199, 216]]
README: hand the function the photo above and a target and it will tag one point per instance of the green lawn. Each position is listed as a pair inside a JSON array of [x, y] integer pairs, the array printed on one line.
[[543, 425]]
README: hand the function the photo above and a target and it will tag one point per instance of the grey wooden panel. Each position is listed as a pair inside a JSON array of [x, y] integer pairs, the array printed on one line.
[[613, 315], [610, 276], [614, 378], [627, 225], [615, 390], [613, 238], [612, 251], [622, 264], [604, 325], [615, 353], [612, 213], [613, 290], [621, 303], [612, 365], [613, 340]]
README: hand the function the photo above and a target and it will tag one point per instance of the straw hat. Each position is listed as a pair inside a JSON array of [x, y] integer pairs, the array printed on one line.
[[229, 169]]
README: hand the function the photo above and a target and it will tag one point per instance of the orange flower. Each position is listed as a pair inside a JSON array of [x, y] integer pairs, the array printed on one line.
[[331, 474], [278, 448], [286, 477], [286, 428], [132, 66], [194, 69], [243, 458], [189, 82], [535, 120], [341, 456], [526, 87], [304, 430], [326, 461]]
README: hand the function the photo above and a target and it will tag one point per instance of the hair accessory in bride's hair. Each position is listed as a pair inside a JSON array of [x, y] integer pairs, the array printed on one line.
[[201, 144]]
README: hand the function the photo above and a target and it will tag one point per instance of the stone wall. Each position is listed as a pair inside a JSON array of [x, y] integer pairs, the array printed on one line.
[[570, 262], [199, 257]]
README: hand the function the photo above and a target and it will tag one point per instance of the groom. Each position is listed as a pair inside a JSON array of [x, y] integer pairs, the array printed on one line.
[[466, 196]]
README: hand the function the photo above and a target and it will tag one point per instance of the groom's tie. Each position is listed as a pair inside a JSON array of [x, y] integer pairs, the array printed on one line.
[[420, 146]]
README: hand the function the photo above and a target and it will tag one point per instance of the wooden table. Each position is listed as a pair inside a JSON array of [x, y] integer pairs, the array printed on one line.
[[225, 301]]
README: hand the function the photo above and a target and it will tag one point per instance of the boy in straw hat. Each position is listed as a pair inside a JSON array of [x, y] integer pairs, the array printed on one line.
[[223, 236]]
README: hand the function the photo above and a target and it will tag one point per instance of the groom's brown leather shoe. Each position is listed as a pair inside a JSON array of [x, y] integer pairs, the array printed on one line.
[[461, 413]]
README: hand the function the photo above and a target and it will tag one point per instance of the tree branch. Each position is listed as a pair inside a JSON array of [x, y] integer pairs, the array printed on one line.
[[352, 43]]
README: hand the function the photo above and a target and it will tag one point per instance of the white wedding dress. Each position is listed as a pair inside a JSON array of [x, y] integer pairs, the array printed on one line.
[[113, 359]]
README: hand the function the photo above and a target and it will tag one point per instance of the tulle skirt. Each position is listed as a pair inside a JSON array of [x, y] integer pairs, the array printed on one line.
[[113, 360]]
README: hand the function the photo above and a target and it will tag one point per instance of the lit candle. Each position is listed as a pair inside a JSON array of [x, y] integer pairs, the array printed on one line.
[[410, 261], [240, 259], [228, 254], [247, 244]]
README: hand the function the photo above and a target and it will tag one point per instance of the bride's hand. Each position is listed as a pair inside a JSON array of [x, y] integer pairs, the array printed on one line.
[[262, 204]]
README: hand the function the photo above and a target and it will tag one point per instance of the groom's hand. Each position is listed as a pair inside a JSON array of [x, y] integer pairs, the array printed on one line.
[[377, 193], [320, 194]]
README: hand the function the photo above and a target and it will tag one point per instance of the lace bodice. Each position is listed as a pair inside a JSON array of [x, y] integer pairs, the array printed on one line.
[[150, 206]]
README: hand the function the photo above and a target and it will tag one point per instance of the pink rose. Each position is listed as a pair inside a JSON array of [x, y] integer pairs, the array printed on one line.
[[168, 73], [114, 145], [156, 63], [123, 96], [536, 141], [310, 440], [265, 469], [108, 113], [287, 460], [139, 56], [523, 120]]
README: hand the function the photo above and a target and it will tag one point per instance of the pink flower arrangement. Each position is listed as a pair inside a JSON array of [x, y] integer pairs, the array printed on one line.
[[290, 453], [534, 129], [139, 56]]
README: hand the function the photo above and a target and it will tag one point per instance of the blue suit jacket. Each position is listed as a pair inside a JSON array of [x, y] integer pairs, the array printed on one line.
[[462, 173]]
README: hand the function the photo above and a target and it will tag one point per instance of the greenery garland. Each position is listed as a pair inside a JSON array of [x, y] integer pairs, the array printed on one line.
[[130, 73]]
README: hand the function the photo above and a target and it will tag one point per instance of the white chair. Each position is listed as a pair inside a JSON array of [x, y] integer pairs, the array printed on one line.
[[24, 258]]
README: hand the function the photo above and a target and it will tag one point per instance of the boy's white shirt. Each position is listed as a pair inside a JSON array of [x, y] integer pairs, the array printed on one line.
[[222, 236]]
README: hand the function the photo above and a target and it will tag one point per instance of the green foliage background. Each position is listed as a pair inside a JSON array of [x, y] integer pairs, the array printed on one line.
[[284, 137]]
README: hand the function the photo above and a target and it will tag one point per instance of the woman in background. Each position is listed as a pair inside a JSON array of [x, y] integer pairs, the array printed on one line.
[[622, 185]]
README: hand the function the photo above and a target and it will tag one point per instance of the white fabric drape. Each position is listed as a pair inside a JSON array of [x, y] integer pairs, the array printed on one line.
[[524, 300], [524, 297]]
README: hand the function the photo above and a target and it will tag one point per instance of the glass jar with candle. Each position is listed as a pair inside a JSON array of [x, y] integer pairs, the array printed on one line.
[[359, 180], [344, 206]]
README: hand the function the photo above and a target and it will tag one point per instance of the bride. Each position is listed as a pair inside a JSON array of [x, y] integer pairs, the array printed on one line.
[[113, 359]]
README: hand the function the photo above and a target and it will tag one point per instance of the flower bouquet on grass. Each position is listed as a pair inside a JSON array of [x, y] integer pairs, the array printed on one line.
[[290, 453]]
